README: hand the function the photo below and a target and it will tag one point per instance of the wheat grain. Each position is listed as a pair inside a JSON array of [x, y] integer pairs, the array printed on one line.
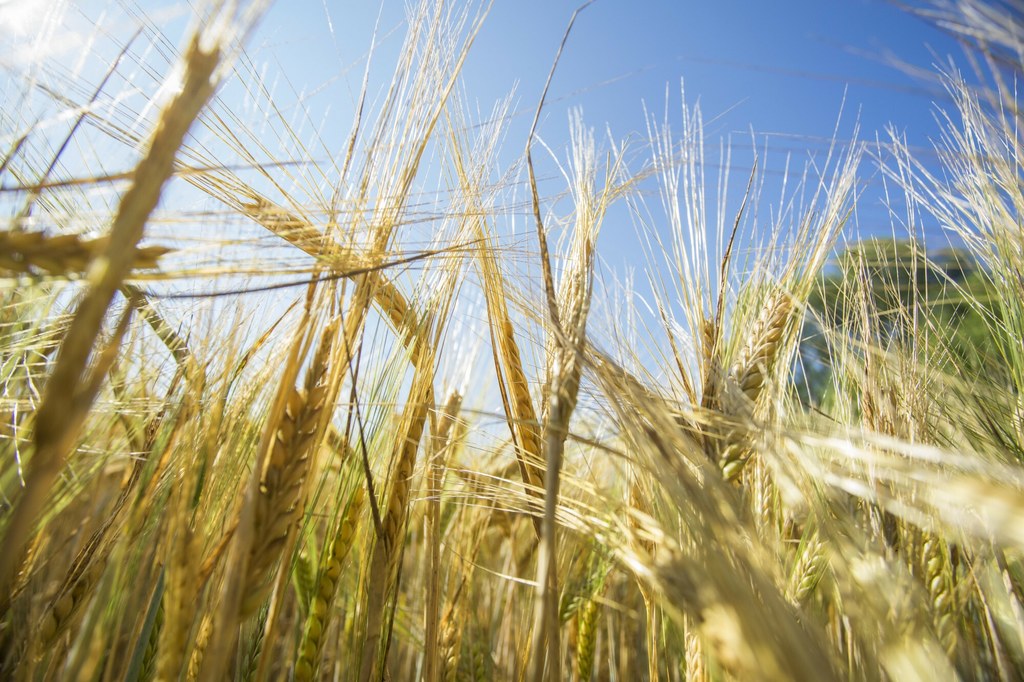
[[939, 581]]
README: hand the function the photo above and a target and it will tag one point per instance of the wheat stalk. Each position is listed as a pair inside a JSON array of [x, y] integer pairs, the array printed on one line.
[[387, 549], [440, 452], [512, 383]]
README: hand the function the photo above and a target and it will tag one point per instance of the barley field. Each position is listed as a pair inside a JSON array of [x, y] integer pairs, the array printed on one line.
[[265, 417]]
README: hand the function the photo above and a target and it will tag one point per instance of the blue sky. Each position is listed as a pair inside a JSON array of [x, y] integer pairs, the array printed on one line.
[[779, 66], [779, 69]]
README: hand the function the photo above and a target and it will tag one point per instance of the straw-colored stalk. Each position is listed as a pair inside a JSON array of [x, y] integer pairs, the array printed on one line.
[[271, 482], [387, 550], [182, 572], [66, 398], [517, 402], [564, 371]]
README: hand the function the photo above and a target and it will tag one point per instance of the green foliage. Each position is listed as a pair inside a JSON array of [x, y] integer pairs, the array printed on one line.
[[890, 294]]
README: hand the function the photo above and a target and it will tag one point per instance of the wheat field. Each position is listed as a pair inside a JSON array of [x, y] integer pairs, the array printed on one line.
[[270, 417]]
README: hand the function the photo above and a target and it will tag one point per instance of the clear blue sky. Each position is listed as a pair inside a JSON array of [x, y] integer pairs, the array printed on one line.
[[780, 69]]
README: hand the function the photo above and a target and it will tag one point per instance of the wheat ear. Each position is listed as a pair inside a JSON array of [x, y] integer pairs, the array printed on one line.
[[807, 571], [35, 252], [939, 581], [750, 372], [757, 357], [279, 503], [587, 622], [318, 620], [195, 660]]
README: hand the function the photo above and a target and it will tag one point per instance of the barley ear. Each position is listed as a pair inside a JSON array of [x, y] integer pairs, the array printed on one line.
[[587, 622], [939, 581], [757, 357], [318, 618], [750, 373], [34, 253]]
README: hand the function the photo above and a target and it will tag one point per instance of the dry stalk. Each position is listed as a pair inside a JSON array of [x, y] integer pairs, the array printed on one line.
[[245, 540], [568, 339], [64, 402], [319, 394], [508, 364], [182, 570]]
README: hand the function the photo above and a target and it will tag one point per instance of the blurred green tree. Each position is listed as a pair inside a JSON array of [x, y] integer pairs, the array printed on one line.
[[890, 294]]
